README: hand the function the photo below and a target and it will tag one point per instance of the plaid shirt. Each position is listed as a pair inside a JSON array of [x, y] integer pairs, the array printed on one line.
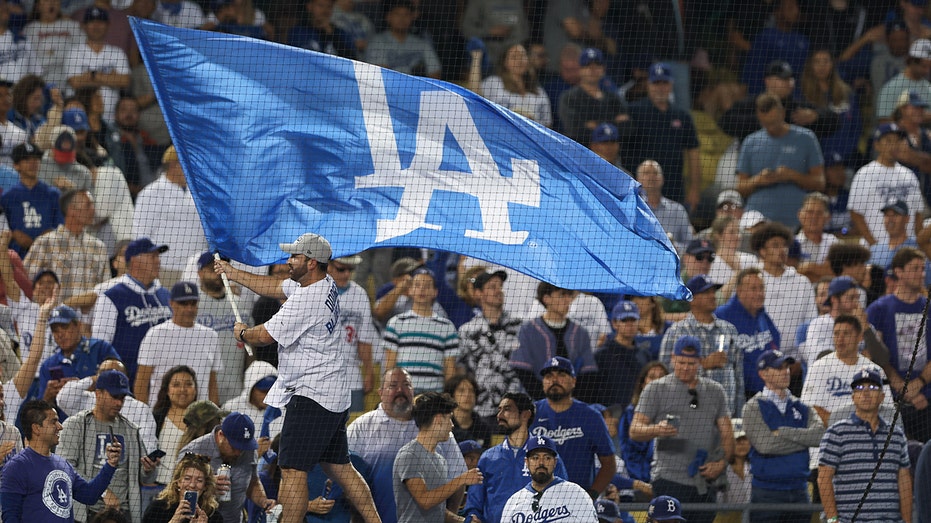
[[79, 261]]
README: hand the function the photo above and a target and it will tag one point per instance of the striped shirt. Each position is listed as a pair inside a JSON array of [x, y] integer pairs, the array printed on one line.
[[852, 449], [422, 344]]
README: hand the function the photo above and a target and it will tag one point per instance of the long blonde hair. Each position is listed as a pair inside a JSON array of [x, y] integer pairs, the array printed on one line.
[[838, 90], [208, 498]]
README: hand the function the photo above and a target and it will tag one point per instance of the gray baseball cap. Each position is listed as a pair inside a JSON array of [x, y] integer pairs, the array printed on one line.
[[312, 245]]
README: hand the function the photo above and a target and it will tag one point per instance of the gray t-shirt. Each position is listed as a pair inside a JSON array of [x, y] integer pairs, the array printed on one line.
[[697, 427], [243, 469], [414, 461], [84, 444]]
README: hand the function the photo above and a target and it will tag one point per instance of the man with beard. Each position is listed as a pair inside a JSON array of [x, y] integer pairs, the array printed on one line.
[[547, 497], [377, 436], [579, 432], [503, 467]]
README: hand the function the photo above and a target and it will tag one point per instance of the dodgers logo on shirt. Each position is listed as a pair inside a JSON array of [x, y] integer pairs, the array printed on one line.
[[559, 435], [544, 515], [56, 493]]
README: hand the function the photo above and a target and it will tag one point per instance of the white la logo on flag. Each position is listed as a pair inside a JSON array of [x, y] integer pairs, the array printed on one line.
[[492, 190]]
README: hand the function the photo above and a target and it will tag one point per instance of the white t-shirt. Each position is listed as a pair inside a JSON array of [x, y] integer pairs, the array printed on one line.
[[190, 16], [52, 42], [820, 338], [110, 59], [873, 185], [815, 252], [311, 362], [165, 213], [169, 344], [722, 273], [563, 501], [355, 314], [790, 302], [17, 58], [535, 106]]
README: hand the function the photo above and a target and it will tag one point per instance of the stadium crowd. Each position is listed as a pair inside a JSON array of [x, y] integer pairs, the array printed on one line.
[[784, 146]]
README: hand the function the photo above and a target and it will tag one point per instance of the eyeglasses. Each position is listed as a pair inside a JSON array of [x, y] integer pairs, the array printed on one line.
[[694, 403], [535, 506], [342, 269], [198, 458], [705, 257], [730, 207], [864, 386]]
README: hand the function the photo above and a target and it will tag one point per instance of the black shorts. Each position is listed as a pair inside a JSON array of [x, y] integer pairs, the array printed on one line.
[[312, 434]]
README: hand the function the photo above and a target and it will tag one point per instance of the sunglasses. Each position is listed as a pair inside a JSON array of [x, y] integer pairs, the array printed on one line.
[[342, 269], [709, 256], [198, 458], [864, 386], [694, 403], [535, 506]]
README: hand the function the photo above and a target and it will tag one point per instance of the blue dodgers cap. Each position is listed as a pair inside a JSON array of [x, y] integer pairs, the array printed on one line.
[[870, 374], [897, 205], [659, 72], [63, 315], [239, 430], [558, 363], [114, 382], [469, 446], [838, 286], [204, 260], [590, 56], [76, 119], [541, 442], [696, 247], [773, 359], [142, 246], [779, 68], [888, 128], [607, 510], [96, 13], [916, 100], [688, 346], [701, 283], [49, 272], [625, 310], [265, 384], [665, 508], [605, 132], [184, 291]]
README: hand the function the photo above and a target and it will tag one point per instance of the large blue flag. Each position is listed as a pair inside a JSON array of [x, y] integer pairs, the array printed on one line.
[[278, 141]]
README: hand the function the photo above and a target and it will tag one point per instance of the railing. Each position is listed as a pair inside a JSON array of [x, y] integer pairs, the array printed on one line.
[[744, 508]]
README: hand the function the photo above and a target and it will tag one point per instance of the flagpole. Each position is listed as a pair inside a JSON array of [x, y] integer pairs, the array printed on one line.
[[229, 297]]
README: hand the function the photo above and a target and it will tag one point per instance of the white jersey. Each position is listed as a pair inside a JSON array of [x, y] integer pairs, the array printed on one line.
[[310, 360], [873, 185], [355, 316], [561, 501], [827, 385]]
